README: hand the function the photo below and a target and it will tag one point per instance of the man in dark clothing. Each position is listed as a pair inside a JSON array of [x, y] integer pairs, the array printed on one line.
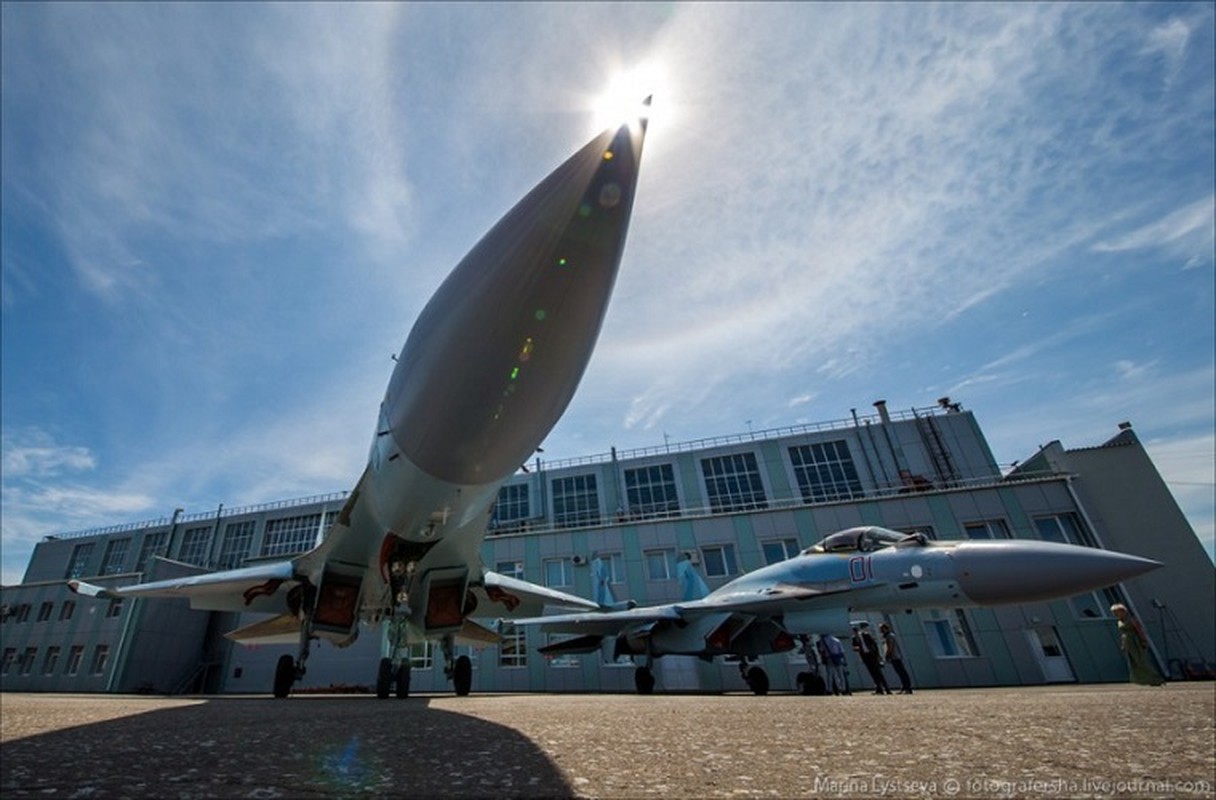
[[867, 650], [895, 657]]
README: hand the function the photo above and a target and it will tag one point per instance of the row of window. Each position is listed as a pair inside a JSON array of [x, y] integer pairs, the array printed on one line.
[[824, 471], [21, 612], [286, 536], [24, 664]]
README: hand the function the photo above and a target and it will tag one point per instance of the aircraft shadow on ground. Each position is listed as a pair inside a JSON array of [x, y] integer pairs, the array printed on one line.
[[299, 748]]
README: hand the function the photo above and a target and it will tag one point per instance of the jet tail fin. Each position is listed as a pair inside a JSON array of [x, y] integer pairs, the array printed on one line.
[[692, 585]]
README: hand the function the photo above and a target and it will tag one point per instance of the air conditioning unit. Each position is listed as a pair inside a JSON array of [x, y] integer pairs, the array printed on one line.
[[579, 560]]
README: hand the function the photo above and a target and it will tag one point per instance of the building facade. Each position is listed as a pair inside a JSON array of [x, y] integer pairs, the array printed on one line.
[[729, 505]]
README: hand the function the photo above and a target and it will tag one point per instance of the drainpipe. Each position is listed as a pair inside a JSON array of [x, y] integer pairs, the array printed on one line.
[[865, 455]]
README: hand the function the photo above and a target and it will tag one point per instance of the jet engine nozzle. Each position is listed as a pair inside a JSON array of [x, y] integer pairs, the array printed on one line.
[[996, 573]]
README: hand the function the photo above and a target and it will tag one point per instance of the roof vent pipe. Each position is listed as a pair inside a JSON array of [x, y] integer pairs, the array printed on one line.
[[883, 414]]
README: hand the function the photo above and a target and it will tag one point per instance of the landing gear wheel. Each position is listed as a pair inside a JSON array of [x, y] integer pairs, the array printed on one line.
[[643, 679], [284, 675], [384, 678], [462, 676], [757, 680], [402, 683]]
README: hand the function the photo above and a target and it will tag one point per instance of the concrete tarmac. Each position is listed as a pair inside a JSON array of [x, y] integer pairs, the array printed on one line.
[[1060, 741]]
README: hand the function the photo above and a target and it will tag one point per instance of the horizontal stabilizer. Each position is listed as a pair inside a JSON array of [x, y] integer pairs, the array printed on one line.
[[471, 633], [582, 644], [283, 629]]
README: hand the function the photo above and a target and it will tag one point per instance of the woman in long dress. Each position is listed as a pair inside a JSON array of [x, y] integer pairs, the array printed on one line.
[[1134, 643]]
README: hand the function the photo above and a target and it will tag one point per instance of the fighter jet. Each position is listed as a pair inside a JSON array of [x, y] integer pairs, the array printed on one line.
[[488, 368], [817, 592]]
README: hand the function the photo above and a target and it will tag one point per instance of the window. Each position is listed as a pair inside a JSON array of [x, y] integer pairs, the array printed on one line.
[[49, 661], [291, 535], [422, 655], [988, 529], [513, 649], [576, 501], [80, 560], [732, 483], [949, 634], [719, 560], [196, 546], [1087, 606], [75, 656], [1064, 528], [561, 660], [100, 656], [779, 550], [238, 538], [611, 566], [66, 610], [825, 471], [27, 660], [511, 569], [115, 608], [44, 611], [116, 556], [511, 509], [10, 657], [651, 491], [558, 572], [154, 544], [21, 613], [658, 564]]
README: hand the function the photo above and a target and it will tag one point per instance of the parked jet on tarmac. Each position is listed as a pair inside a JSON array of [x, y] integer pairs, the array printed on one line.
[[490, 365], [815, 592]]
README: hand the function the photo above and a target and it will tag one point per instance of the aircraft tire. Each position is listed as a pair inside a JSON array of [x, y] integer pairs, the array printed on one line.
[[284, 675], [462, 676], [384, 678], [402, 682], [757, 681], [643, 680], [811, 684]]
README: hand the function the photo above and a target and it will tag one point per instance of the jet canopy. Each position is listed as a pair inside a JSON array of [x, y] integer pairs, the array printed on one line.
[[864, 539]]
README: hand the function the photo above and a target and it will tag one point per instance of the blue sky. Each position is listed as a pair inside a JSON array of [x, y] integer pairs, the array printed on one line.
[[219, 221]]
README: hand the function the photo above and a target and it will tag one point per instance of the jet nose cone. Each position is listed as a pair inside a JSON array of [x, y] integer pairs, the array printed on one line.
[[995, 573], [495, 356]]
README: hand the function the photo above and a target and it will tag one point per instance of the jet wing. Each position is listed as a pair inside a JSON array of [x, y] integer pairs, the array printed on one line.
[[501, 596], [246, 589], [771, 602]]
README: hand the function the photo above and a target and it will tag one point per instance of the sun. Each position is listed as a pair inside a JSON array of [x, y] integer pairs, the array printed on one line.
[[630, 95]]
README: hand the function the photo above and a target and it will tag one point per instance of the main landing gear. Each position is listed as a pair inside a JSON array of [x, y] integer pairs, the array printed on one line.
[[643, 680], [755, 677], [288, 670]]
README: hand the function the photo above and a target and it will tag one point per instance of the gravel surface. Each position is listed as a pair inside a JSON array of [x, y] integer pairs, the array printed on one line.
[[1075, 741]]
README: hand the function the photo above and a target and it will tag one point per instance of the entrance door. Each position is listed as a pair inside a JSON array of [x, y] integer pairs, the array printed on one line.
[[1048, 651]]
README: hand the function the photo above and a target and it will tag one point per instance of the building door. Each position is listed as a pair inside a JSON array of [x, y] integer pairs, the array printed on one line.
[[1048, 651]]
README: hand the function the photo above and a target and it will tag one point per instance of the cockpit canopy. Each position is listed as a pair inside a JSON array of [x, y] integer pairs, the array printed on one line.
[[864, 539]]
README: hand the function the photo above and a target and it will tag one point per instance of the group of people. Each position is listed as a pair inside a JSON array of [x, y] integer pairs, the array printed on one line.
[[832, 656], [874, 655]]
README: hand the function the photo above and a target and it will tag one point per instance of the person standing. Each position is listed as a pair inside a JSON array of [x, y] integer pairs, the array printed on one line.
[[1134, 643], [867, 650], [831, 655], [895, 657]]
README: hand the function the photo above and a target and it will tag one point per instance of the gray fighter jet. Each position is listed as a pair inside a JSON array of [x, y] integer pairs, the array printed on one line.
[[817, 591], [490, 365]]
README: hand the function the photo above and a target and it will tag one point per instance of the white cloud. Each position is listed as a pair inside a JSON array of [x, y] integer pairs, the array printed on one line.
[[34, 454], [1190, 232]]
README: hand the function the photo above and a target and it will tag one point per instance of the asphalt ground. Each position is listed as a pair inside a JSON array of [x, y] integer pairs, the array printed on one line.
[[1061, 741]]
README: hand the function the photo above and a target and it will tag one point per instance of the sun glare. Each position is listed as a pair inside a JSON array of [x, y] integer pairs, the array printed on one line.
[[623, 100]]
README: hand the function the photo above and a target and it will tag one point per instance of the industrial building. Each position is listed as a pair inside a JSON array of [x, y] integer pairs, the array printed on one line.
[[728, 504]]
